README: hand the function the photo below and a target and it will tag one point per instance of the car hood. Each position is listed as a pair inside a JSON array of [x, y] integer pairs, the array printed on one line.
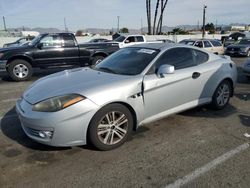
[[239, 46], [83, 81], [14, 48]]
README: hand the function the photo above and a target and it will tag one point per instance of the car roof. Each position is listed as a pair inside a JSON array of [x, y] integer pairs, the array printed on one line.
[[158, 45], [198, 39]]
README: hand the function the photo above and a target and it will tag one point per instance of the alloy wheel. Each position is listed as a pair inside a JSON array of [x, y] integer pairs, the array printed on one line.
[[112, 128], [20, 70], [223, 94]]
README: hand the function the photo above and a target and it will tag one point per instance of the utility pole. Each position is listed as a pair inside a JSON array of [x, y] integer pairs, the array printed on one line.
[[204, 21], [118, 24], [141, 26], [65, 25], [4, 24]]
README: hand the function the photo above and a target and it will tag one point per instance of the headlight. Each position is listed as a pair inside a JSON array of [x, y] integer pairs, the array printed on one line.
[[1, 55], [57, 103], [243, 49]]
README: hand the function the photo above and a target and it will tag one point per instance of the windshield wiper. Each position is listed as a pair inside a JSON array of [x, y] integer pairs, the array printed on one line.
[[106, 69]]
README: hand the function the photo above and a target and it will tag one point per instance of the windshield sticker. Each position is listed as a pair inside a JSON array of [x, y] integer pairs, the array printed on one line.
[[147, 51]]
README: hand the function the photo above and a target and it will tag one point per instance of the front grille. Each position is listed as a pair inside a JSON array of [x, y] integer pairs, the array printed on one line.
[[233, 49]]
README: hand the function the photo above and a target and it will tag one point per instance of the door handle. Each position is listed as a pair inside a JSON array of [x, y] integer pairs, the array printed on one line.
[[196, 75]]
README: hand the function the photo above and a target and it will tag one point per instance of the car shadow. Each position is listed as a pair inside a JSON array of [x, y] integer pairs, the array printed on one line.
[[11, 128], [207, 112]]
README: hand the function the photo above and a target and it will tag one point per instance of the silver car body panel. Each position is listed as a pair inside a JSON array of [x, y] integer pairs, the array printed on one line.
[[148, 96]]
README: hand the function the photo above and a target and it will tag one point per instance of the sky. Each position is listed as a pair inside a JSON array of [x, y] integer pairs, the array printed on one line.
[[81, 14]]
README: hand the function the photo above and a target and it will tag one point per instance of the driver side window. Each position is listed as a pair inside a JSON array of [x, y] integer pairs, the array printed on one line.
[[180, 58], [51, 41], [130, 39]]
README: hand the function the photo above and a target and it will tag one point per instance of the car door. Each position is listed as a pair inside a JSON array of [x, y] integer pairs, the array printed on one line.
[[139, 39], [208, 46], [173, 92], [129, 41], [70, 50], [49, 51]]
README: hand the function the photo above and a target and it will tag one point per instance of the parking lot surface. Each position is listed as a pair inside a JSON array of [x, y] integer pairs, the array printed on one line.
[[196, 148]]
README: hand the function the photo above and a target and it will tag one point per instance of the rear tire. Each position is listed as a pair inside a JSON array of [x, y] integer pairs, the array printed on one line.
[[221, 95], [110, 127], [97, 60], [20, 70]]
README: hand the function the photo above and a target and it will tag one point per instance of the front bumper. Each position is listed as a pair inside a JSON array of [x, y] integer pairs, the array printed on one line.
[[235, 53], [67, 127], [3, 64]]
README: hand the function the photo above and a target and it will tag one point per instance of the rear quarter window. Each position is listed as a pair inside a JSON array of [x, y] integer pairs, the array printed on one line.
[[200, 57]]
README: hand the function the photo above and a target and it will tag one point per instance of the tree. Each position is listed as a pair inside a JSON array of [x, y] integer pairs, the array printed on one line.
[[148, 8], [156, 12], [178, 31], [124, 30], [158, 29]]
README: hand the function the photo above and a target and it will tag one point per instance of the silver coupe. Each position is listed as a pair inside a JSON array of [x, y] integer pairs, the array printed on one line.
[[137, 85]]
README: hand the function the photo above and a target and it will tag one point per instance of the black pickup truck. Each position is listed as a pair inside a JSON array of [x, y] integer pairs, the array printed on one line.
[[52, 50]]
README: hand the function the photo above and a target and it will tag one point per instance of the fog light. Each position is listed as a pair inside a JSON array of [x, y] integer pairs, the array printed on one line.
[[45, 134]]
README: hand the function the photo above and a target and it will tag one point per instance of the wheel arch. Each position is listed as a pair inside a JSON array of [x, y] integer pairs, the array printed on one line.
[[103, 54], [22, 57]]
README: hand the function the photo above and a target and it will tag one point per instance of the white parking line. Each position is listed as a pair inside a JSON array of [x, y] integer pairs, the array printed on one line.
[[198, 172]]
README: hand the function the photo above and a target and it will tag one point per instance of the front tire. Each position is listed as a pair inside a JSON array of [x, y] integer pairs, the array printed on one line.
[[20, 70], [97, 60], [110, 127], [221, 95]]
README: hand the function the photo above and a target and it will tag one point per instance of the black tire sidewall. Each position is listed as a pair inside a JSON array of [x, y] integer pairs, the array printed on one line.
[[214, 104], [16, 62], [96, 58], [92, 130]]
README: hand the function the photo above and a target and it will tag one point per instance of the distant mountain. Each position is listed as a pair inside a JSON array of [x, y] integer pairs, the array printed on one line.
[[38, 29]]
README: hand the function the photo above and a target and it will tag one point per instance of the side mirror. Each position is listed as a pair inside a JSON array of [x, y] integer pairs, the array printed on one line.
[[127, 41], [40, 45], [165, 69]]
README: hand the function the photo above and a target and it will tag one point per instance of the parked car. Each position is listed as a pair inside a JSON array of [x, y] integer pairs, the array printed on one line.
[[246, 68], [98, 40], [129, 40], [18, 42], [240, 49], [134, 86], [52, 50], [211, 45]]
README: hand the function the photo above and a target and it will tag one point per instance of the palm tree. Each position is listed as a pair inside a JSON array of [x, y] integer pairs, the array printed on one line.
[[148, 7], [159, 25], [156, 12]]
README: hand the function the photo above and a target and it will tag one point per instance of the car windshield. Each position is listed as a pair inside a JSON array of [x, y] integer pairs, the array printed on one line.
[[187, 42], [35, 40], [120, 39], [245, 41], [127, 61]]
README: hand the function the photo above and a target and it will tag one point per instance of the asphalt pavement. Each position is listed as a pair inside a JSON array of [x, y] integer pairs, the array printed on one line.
[[196, 148]]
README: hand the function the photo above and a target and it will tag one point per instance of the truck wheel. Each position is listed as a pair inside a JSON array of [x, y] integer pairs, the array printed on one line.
[[97, 60], [110, 127], [20, 70]]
